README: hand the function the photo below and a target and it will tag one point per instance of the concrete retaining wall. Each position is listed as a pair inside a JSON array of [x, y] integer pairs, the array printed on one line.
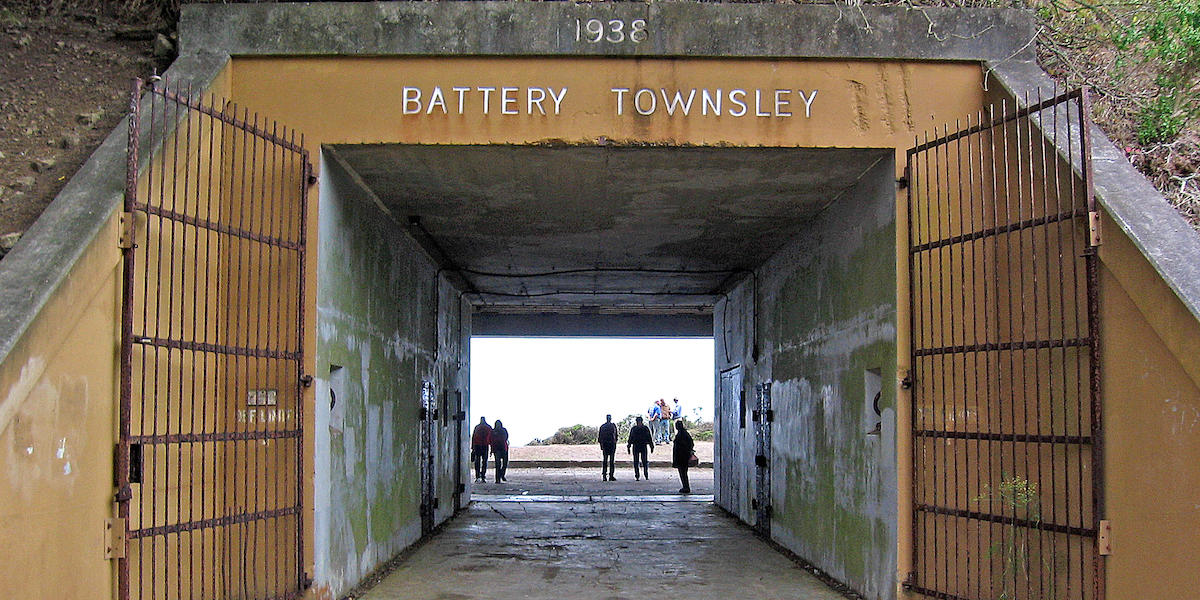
[[383, 329], [826, 324]]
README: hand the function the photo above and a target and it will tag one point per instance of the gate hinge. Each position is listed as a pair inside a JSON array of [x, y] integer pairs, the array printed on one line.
[[1094, 228], [754, 416], [910, 581], [760, 460], [906, 382], [125, 236], [306, 380], [114, 538], [1104, 538], [902, 182], [770, 415]]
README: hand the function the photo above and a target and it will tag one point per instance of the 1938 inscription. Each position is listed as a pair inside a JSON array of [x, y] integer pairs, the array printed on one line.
[[612, 31]]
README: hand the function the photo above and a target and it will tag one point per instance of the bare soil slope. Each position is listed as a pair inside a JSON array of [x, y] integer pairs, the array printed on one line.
[[64, 82]]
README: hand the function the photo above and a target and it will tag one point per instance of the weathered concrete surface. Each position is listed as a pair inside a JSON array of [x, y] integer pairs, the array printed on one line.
[[539, 324], [711, 211], [673, 29], [382, 330], [826, 325], [600, 551]]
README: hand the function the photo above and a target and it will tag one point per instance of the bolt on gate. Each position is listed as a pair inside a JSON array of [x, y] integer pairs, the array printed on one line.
[[210, 450], [1007, 465]]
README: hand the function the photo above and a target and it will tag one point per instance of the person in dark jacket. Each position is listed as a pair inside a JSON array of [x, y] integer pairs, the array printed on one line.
[[608, 449], [639, 440], [499, 443], [681, 454], [479, 448]]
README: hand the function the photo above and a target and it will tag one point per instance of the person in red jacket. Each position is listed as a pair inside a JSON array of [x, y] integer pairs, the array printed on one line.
[[480, 438]]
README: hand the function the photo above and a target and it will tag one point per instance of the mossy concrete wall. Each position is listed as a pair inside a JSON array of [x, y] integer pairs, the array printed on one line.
[[826, 322], [384, 328]]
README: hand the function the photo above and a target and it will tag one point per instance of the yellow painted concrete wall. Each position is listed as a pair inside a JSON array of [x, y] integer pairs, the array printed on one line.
[[1151, 390], [58, 429]]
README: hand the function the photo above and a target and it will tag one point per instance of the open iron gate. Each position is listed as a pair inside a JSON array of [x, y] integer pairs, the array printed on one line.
[[1007, 480], [211, 418]]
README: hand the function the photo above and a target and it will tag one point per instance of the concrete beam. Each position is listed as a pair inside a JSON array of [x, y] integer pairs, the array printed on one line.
[[549, 28], [566, 325]]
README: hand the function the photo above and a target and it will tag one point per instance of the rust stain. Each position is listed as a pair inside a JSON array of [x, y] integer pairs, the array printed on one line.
[[859, 92]]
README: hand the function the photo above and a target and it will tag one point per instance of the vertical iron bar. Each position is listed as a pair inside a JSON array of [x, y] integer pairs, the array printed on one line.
[[971, 201], [182, 360], [305, 172], [1012, 336], [1094, 355], [913, 342], [1049, 252], [1036, 473], [958, 375], [124, 491], [204, 390], [998, 446]]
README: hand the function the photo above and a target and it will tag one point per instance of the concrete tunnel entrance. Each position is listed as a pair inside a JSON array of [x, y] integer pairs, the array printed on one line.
[[784, 256]]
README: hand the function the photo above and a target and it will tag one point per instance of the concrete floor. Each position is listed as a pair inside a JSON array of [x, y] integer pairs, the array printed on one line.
[[626, 548]]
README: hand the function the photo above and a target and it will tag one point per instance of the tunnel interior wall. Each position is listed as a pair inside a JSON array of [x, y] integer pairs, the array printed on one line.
[[383, 331], [826, 320]]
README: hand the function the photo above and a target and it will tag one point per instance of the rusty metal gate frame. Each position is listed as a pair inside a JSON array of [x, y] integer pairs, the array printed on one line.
[[1009, 179], [169, 548]]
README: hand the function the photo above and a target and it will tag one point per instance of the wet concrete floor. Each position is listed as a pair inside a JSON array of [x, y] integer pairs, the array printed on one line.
[[630, 547]]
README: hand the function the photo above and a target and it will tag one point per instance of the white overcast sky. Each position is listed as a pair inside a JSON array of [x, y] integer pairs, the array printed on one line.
[[536, 385]]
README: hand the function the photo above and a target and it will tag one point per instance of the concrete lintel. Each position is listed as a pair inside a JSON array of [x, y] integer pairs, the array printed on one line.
[[567, 325], [34, 269], [549, 28], [1158, 230]]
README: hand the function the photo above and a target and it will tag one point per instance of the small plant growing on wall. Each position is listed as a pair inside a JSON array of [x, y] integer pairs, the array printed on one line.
[[1019, 498]]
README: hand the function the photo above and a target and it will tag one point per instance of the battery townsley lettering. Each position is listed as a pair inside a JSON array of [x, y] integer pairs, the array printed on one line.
[[549, 101]]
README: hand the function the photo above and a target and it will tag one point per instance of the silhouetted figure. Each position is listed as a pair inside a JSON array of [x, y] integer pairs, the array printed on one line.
[[639, 440], [682, 455], [608, 449], [499, 443], [479, 448]]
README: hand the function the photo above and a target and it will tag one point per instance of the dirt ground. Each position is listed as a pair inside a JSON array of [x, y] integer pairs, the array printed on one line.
[[585, 481], [591, 452], [64, 82]]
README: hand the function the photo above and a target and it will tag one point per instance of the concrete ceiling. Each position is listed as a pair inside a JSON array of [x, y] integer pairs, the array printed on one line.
[[521, 210]]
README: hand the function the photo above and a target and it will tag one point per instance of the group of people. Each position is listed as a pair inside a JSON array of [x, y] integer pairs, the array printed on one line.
[[642, 439], [484, 438], [661, 416], [641, 443]]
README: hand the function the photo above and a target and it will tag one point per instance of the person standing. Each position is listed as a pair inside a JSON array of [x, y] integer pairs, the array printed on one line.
[[664, 425], [656, 415], [480, 438], [681, 455], [639, 439], [608, 449], [499, 443]]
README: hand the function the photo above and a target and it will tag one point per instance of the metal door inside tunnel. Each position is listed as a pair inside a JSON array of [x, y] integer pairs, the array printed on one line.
[[762, 416], [731, 422]]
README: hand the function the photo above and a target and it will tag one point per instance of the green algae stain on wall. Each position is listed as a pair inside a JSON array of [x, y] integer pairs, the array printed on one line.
[[375, 327], [827, 302]]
